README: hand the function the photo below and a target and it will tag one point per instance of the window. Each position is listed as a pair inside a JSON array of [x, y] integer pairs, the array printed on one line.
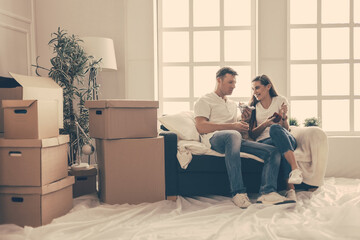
[[324, 63], [196, 38]]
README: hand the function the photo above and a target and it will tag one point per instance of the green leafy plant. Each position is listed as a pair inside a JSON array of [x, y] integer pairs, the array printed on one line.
[[293, 122], [308, 122], [70, 65]]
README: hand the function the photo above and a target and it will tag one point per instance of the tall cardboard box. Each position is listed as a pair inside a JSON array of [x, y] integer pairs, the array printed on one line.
[[30, 119], [23, 87], [114, 119], [131, 170], [36, 206], [33, 162]]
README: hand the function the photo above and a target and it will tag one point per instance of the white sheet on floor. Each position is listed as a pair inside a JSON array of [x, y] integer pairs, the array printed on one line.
[[311, 153], [331, 212]]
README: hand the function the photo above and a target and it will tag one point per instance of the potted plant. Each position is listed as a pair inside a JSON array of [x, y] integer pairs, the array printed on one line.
[[69, 68], [308, 122], [293, 122]]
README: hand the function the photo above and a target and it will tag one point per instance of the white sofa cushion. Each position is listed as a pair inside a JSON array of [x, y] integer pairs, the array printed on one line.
[[183, 124]]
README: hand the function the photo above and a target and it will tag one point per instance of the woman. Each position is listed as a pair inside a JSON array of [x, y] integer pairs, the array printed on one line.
[[269, 129]]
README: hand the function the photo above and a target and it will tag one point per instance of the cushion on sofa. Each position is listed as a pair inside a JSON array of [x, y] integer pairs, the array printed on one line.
[[183, 124]]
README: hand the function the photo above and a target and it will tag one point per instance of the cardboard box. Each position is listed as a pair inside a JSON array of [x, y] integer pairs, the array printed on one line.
[[85, 181], [23, 87], [131, 170], [113, 119], [36, 206], [33, 162], [30, 119]]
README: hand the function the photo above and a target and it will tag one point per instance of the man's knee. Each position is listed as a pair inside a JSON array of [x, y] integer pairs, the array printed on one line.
[[233, 137]]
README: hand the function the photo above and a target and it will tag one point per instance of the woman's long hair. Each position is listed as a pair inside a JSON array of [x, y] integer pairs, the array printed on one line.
[[264, 80]]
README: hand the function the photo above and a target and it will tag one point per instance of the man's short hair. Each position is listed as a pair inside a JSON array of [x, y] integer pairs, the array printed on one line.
[[223, 71]]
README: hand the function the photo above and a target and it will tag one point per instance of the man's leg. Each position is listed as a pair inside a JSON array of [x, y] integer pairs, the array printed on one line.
[[229, 142], [271, 157]]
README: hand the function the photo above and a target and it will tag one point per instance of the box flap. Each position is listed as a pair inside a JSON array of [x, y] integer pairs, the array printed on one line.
[[34, 81], [28, 143], [91, 171], [122, 103], [17, 103], [51, 187]]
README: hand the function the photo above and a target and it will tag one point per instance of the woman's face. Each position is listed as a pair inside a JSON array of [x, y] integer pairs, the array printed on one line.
[[260, 91]]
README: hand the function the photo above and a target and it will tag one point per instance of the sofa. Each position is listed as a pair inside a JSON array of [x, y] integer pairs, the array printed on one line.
[[205, 173]]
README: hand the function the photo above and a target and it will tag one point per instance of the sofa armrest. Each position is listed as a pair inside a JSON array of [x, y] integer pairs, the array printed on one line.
[[171, 163], [311, 153]]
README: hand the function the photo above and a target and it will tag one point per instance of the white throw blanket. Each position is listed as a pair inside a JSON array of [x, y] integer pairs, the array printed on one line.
[[311, 153]]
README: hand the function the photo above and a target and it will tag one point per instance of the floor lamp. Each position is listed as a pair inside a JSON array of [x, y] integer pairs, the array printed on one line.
[[99, 48]]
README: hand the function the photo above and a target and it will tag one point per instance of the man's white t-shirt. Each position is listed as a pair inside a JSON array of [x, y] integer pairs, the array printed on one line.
[[262, 114], [217, 110]]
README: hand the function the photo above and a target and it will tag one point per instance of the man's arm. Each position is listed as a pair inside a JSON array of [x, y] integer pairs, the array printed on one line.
[[204, 126]]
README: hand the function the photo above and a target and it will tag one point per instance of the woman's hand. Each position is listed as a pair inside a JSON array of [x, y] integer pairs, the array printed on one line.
[[246, 115], [283, 111]]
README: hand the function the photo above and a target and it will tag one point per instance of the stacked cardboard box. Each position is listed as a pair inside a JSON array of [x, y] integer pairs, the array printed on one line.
[[34, 182], [130, 154]]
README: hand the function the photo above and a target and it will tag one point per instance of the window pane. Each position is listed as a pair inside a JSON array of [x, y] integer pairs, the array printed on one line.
[[176, 81], [357, 42], [303, 80], [302, 109], [175, 46], [237, 13], [357, 11], [175, 13], [303, 44], [206, 46], [357, 78], [206, 13], [243, 81], [335, 43], [303, 11], [237, 45], [335, 11], [175, 107], [335, 115], [357, 115], [335, 79], [204, 80]]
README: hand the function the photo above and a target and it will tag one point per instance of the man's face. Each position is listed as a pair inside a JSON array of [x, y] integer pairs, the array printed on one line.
[[227, 84]]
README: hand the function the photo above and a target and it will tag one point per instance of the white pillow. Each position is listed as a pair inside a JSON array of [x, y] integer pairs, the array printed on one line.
[[183, 124]]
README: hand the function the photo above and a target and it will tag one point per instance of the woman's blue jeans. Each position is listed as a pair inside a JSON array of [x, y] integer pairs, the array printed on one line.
[[284, 141], [230, 143]]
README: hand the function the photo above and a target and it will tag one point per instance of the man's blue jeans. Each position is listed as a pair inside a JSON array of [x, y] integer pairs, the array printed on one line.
[[284, 141], [230, 142]]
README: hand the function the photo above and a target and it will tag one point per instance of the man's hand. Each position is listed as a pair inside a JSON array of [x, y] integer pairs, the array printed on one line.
[[246, 115], [241, 126]]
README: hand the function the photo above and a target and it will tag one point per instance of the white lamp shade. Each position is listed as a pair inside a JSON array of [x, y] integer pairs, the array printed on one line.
[[101, 48]]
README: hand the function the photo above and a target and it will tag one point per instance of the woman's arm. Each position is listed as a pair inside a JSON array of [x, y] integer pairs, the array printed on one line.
[[257, 130]]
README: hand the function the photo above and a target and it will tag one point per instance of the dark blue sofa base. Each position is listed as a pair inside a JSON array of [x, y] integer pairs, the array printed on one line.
[[206, 175]]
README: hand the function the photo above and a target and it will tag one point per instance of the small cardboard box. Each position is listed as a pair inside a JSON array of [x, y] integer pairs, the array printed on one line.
[[36, 206], [23, 87], [30, 119], [131, 170], [85, 181], [33, 162], [113, 119]]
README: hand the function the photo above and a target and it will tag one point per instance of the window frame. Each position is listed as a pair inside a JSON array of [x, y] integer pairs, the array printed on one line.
[[191, 64], [319, 61]]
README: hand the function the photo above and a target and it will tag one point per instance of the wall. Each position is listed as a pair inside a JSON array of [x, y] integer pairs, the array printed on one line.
[[17, 38], [91, 18]]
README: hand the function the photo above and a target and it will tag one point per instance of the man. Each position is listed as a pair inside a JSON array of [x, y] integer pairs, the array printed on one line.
[[216, 121]]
